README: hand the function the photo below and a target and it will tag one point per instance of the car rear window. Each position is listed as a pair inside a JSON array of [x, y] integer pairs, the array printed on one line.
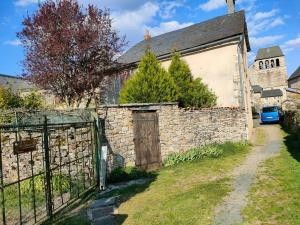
[[270, 109]]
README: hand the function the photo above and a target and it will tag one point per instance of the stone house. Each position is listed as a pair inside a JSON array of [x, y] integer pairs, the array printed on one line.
[[294, 79], [17, 84], [268, 78], [24, 87], [215, 50]]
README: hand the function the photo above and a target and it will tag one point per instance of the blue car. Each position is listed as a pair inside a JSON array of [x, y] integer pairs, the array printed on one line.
[[271, 114]]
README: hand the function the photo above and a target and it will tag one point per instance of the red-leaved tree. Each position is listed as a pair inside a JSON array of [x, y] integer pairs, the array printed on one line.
[[69, 49]]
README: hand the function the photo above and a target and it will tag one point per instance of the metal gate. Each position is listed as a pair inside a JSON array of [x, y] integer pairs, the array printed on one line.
[[45, 167]]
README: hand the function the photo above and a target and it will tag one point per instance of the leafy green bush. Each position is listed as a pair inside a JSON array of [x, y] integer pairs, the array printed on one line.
[[33, 100], [9, 99], [198, 95], [150, 83], [208, 151], [126, 174]]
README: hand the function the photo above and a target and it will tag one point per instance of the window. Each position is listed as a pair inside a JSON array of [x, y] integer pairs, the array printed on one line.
[[261, 65], [272, 63], [277, 62], [270, 109], [267, 66]]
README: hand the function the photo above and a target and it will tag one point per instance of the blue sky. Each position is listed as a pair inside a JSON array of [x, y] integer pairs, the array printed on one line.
[[270, 22]]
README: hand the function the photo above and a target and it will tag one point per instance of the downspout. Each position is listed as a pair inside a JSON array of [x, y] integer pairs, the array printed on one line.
[[243, 100], [241, 72]]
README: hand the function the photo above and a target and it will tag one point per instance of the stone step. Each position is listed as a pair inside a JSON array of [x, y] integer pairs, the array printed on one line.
[[104, 202], [100, 212], [106, 220]]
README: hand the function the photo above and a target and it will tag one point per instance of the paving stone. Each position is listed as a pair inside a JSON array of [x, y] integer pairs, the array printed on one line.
[[100, 212], [107, 220], [103, 202]]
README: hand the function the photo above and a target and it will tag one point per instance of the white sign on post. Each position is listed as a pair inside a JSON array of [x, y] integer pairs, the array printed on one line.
[[103, 161]]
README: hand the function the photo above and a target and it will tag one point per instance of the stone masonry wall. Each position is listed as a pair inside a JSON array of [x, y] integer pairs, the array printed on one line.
[[179, 129]]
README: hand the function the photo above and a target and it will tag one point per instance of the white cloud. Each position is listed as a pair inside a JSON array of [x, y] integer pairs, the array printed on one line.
[[294, 42], [133, 17], [212, 5], [277, 22], [113, 4], [263, 21], [168, 8], [116, 4], [264, 15], [13, 42], [264, 41], [133, 23], [25, 2], [166, 27], [291, 45], [217, 4]]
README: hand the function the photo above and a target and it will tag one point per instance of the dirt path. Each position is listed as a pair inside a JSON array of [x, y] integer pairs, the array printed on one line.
[[229, 212]]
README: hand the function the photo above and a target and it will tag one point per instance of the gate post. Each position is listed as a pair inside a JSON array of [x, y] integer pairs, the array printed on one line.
[[97, 153], [101, 154], [47, 170]]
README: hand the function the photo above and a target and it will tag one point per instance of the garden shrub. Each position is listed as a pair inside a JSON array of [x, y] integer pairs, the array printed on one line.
[[208, 151], [9, 99], [150, 83], [33, 100], [12, 100], [192, 92], [121, 174], [198, 95]]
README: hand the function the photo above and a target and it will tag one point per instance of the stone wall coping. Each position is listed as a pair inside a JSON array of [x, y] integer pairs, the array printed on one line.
[[214, 108], [129, 105], [154, 106]]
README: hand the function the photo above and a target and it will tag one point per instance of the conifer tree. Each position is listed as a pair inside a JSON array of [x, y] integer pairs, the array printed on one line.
[[150, 83], [192, 93], [182, 76], [199, 95]]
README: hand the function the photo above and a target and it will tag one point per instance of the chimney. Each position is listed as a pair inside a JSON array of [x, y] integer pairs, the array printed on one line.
[[147, 35], [231, 6]]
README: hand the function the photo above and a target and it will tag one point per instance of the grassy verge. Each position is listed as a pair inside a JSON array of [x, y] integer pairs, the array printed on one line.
[[186, 193], [183, 194], [275, 198]]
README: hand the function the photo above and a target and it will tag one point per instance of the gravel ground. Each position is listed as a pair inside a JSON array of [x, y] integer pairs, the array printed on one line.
[[229, 212]]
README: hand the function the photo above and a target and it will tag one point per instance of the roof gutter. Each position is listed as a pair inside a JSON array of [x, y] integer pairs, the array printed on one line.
[[293, 78]]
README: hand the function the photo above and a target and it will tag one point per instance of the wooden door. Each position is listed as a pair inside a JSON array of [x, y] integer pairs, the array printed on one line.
[[146, 140]]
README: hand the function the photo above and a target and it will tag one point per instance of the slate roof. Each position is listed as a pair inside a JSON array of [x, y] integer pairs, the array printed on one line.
[[16, 83], [199, 34], [265, 53], [271, 93], [296, 74], [293, 90], [257, 89]]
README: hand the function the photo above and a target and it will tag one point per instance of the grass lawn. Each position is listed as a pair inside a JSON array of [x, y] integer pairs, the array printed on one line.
[[275, 197], [184, 194]]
